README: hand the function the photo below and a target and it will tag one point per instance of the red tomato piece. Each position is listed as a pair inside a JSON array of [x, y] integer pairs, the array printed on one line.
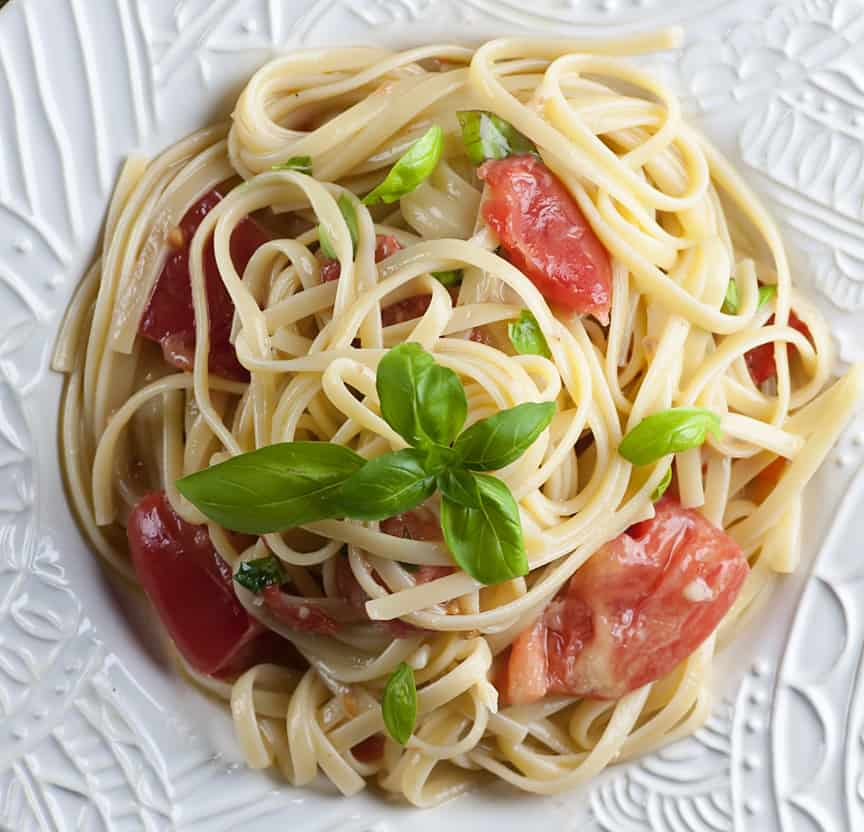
[[384, 247], [306, 615], [637, 608], [170, 318], [191, 588], [418, 524], [369, 750], [760, 360], [545, 234]]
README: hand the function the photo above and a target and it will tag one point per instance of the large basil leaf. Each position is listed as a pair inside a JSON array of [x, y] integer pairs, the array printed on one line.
[[273, 488]]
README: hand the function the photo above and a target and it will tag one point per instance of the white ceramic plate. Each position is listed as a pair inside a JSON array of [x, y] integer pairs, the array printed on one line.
[[95, 731]]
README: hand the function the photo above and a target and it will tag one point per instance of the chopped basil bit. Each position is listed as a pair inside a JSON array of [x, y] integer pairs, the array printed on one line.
[[527, 337], [660, 490], [730, 302], [302, 164], [453, 277], [413, 167], [486, 136], [346, 206], [766, 293], [668, 432], [257, 575]]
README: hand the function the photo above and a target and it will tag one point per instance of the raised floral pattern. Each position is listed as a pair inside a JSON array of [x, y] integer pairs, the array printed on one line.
[[95, 734]]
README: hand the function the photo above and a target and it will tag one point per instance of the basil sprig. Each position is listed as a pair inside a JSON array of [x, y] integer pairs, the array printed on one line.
[[346, 206], [399, 704], [412, 168], [273, 488], [257, 575], [526, 336], [302, 164], [669, 432], [486, 136], [294, 483]]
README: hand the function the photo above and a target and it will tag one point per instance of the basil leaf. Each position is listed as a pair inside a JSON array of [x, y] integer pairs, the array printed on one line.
[[422, 401], [460, 486], [730, 302], [386, 486], [302, 164], [660, 490], [486, 136], [413, 167], [273, 488], [527, 337], [258, 574], [453, 277], [399, 704], [346, 206], [487, 541], [668, 432], [497, 441], [765, 294]]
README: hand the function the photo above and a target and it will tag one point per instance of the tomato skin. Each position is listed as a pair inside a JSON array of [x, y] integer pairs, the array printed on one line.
[[419, 523], [170, 317], [634, 611], [545, 235], [301, 614], [370, 750], [384, 246], [191, 588], [760, 360]]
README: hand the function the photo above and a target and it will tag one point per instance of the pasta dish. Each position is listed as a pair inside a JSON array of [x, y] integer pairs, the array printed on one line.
[[452, 407]]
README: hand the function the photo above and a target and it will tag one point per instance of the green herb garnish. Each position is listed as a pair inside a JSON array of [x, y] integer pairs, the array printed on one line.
[[668, 432], [486, 136], [399, 704], [527, 337], [346, 206], [257, 575], [412, 168], [295, 483], [302, 164]]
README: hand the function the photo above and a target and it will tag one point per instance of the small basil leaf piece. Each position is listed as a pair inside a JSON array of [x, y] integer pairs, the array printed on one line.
[[453, 277], [386, 486], [486, 136], [495, 442], [668, 432], [273, 488], [730, 302], [412, 168], [487, 541], [257, 575], [422, 401], [459, 486], [660, 490], [302, 164], [399, 704], [346, 206], [527, 337], [766, 293]]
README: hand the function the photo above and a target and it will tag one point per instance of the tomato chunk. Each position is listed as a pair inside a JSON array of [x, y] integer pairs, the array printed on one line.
[[369, 750], [170, 318], [637, 608], [760, 360], [544, 233], [191, 588]]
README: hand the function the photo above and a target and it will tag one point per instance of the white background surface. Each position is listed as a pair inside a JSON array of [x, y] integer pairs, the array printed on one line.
[[95, 731]]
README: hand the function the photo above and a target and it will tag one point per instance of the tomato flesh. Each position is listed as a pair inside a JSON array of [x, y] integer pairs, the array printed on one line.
[[760, 360], [636, 609], [170, 318], [191, 588], [544, 233]]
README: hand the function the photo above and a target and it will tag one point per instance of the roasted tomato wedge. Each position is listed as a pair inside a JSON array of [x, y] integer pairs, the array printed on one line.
[[191, 588], [639, 606], [544, 233], [170, 318], [760, 360]]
